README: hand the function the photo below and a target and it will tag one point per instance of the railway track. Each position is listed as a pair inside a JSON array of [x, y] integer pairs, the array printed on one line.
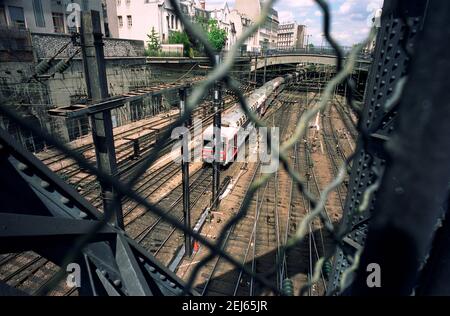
[[23, 268], [68, 171], [254, 241], [157, 236], [334, 153], [161, 238], [349, 123], [89, 187]]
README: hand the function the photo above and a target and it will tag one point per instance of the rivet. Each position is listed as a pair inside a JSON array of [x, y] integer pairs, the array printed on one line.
[[152, 269], [45, 184], [163, 277], [65, 200], [83, 214], [117, 282], [22, 166]]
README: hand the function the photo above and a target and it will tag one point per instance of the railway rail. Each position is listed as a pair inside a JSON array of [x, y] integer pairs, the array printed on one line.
[[87, 184], [255, 240]]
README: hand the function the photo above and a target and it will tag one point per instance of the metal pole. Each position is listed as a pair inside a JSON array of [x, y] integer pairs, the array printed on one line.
[[185, 173], [217, 140], [256, 70], [265, 68], [102, 128]]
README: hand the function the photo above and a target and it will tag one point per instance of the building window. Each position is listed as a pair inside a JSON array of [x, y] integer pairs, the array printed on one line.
[[119, 2], [17, 17], [128, 2], [130, 21], [38, 13], [172, 19], [58, 22], [120, 21]]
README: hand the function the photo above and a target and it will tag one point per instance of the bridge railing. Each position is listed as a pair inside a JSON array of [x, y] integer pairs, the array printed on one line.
[[323, 50]]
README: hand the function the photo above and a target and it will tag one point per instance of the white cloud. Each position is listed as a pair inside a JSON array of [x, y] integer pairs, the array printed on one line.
[[349, 17], [286, 16], [346, 7]]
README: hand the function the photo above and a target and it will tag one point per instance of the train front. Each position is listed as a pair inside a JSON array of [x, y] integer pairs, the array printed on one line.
[[208, 146]]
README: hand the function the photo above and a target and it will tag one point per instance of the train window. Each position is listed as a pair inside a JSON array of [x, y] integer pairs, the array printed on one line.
[[207, 143]]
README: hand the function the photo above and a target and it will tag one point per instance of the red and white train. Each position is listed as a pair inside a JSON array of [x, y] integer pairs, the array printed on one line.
[[236, 120]]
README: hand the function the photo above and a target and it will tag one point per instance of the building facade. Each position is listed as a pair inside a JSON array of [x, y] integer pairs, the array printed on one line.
[[110, 16], [241, 23], [267, 34], [44, 16], [227, 23], [136, 19], [291, 36]]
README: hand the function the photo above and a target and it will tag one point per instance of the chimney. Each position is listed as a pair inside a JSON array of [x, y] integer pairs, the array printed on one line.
[[203, 4]]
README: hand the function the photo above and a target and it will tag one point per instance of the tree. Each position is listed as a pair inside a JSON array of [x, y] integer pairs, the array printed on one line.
[[217, 37], [153, 44], [181, 38]]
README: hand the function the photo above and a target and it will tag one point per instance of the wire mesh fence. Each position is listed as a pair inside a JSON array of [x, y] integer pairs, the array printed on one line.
[[345, 66]]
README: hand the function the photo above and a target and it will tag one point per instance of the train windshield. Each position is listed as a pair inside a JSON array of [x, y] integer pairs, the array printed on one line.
[[210, 143], [207, 143]]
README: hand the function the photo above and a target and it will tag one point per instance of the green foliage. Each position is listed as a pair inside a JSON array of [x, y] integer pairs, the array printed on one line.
[[191, 46], [181, 38], [153, 44], [216, 36], [153, 40], [203, 22]]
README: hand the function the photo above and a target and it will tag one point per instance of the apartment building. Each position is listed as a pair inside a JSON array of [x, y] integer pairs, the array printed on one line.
[[43, 16], [291, 36], [136, 18], [241, 22], [267, 34], [111, 22]]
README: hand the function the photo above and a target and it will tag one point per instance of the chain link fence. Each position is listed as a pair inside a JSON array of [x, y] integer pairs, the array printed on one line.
[[401, 23]]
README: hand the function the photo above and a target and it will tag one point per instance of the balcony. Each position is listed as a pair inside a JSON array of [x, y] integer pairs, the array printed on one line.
[[15, 44]]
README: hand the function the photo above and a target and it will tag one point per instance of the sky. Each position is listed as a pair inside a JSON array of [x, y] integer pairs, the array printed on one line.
[[350, 18]]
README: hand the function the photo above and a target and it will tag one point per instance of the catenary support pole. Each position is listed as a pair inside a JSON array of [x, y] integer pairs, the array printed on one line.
[[185, 172], [217, 140], [102, 127], [265, 68]]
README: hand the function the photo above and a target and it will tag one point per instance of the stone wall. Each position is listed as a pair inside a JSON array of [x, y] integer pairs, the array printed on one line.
[[47, 45]]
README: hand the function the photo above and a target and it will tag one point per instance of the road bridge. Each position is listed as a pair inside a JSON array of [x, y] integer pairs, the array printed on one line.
[[302, 58], [261, 61]]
